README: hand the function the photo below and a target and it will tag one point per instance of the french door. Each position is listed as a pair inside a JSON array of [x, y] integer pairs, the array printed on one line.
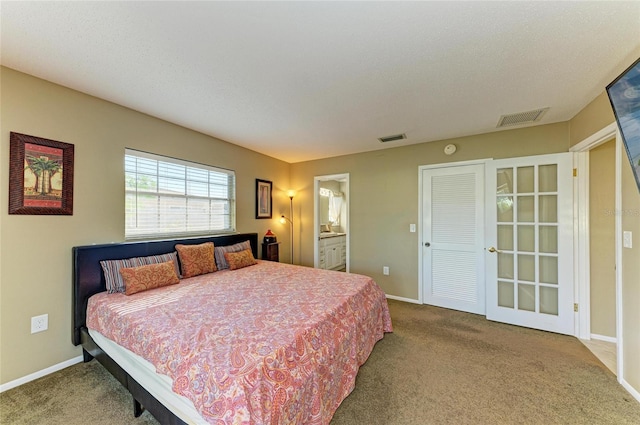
[[529, 243]]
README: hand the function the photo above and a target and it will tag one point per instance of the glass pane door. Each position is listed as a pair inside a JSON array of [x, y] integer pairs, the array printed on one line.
[[527, 228], [530, 225]]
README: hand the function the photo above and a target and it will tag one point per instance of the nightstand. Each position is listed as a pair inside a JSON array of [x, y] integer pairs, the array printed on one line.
[[270, 251]]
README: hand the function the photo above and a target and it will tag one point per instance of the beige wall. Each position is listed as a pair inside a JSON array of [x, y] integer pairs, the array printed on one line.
[[591, 119], [35, 274], [595, 116], [602, 168], [383, 187]]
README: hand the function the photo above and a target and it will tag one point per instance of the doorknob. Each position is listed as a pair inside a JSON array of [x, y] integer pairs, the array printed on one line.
[[492, 249], [427, 244]]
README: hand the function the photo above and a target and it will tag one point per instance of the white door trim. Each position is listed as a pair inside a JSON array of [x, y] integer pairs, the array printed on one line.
[[596, 139], [421, 213], [581, 224], [581, 253]]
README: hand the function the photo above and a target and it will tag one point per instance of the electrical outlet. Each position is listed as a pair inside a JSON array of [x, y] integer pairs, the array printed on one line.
[[385, 270], [627, 240], [39, 323]]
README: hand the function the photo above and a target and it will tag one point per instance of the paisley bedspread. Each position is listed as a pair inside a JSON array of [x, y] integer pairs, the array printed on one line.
[[267, 344]]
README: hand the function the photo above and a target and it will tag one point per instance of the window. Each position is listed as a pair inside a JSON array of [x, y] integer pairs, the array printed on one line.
[[167, 197]]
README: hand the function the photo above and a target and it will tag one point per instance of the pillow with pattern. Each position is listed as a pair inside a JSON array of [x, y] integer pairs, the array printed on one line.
[[238, 260], [221, 262], [111, 268], [196, 259], [143, 278]]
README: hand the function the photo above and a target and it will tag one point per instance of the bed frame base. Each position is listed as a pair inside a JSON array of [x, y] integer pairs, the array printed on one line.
[[141, 398]]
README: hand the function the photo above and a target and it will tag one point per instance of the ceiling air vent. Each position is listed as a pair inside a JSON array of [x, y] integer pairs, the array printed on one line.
[[521, 118], [392, 138]]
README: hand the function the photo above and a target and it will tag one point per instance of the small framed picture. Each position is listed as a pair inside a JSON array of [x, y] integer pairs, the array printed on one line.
[[40, 176], [263, 198]]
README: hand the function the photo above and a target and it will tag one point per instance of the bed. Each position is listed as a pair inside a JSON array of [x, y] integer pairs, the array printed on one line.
[[269, 343]]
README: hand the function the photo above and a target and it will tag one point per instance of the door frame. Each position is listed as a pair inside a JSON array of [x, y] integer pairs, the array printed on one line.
[[581, 236], [421, 168], [316, 219]]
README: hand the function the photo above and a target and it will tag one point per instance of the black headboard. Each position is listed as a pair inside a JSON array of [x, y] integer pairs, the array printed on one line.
[[88, 278]]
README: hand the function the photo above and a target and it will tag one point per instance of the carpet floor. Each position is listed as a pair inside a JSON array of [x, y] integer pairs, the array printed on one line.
[[438, 367]]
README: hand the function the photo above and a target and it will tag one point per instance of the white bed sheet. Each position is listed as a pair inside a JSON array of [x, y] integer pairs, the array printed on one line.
[[159, 386]]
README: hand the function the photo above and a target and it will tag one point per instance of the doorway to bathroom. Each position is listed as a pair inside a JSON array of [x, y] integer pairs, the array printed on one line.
[[331, 222]]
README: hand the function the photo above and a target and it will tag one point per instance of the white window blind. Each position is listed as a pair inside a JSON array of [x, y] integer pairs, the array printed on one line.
[[167, 197]]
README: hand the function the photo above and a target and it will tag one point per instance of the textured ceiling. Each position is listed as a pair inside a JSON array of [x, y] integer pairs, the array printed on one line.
[[307, 80]]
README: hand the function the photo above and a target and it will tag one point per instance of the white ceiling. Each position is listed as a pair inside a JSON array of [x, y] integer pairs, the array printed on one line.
[[307, 80]]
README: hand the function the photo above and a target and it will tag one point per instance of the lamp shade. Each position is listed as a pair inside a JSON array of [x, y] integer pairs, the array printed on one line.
[[269, 237]]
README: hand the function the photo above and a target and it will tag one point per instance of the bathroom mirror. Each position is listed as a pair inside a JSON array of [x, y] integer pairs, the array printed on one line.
[[331, 201]]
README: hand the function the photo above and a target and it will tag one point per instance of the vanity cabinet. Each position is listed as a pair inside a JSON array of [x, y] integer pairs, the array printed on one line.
[[333, 252]]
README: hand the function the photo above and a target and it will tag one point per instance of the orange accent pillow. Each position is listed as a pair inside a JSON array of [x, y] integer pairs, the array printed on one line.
[[196, 259], [138, 279], [238, 260]]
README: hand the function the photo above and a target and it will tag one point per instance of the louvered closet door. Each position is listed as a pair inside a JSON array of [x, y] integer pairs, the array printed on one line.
[[453, 237]]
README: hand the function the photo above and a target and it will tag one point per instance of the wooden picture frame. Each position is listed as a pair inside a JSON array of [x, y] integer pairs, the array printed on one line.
[[263, 198], [40, 176]]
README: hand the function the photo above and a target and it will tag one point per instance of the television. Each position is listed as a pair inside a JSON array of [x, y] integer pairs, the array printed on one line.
[[624, 95]]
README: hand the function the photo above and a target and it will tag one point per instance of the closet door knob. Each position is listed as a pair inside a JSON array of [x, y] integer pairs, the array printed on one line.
[[427, 244]]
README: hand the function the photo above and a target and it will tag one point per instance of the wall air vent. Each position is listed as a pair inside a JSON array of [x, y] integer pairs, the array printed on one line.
[[521, 118], [392, 138]]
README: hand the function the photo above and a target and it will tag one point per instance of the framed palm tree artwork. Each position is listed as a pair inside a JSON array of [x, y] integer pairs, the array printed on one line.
[[40, 176]]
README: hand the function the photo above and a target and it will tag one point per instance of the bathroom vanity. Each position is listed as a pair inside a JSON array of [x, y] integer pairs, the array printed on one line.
[[333, 251]]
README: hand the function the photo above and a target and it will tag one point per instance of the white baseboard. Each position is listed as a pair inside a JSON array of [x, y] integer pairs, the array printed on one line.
[[604, 338], [406, 300], [630, 389], [40, 374]]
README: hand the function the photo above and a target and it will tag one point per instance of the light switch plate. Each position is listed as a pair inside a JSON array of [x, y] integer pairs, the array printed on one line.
[[412, 228], [627, 240]]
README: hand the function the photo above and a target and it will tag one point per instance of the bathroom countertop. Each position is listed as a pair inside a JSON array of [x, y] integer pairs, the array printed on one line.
[[330, 235]]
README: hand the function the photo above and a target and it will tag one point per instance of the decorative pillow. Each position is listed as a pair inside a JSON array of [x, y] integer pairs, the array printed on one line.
[[221, 262], [238, 260], [157, 259], [112, 278], [138, 279], [111, 268], [196, 259]]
